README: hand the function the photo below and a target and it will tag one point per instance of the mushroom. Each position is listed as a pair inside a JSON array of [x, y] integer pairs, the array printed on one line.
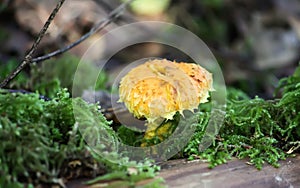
[[158, 89]]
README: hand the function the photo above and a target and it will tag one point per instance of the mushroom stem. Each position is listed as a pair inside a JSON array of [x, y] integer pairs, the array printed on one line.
[[160, 129]]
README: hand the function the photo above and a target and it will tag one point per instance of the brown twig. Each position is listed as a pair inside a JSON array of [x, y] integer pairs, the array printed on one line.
[[99, 26], [28, 58]]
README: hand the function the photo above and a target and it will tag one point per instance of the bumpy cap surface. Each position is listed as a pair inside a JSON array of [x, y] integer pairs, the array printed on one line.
[[160, 88]]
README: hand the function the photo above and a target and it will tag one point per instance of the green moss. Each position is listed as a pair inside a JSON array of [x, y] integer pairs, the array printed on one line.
[[260, 130], [129, 136], [39, 139]]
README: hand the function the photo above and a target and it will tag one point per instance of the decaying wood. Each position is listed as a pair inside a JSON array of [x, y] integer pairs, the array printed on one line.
[[236, 173]]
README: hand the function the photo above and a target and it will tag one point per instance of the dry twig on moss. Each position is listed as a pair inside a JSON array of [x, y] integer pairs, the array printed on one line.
[[28, 58]]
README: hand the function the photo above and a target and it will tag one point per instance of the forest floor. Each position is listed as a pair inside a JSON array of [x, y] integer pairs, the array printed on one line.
[[235, 173]]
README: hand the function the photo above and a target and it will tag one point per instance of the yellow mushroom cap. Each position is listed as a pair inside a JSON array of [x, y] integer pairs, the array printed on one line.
[[160, 88]]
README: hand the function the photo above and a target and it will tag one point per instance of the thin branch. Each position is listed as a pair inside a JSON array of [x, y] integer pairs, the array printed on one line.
[[28, 58], [99, 26]]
